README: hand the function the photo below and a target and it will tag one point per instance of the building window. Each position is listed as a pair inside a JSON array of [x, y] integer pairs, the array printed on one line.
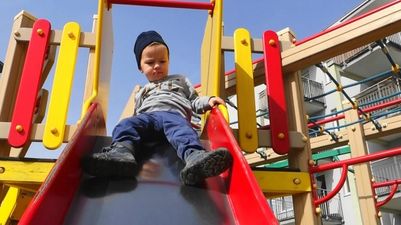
[[262, 112]]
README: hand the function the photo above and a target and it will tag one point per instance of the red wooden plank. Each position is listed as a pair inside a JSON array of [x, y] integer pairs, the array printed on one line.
[[275, 91], [21, 122], [246, 199]]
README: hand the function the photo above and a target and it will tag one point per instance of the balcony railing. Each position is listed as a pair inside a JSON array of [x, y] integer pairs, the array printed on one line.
[[331, 210], [386, 170], [282, 208], [313, 88], [385, 91]]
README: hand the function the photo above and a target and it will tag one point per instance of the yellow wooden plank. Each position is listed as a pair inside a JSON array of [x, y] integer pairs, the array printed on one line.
[[283, 182], [23, 200], [62, 86], [24, 171], [8, 205], [37, 131], [248, 134], [100, 64], [211, 54], [26, 187]]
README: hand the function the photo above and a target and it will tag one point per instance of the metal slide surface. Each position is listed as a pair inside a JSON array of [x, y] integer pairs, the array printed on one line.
[[156, 196]]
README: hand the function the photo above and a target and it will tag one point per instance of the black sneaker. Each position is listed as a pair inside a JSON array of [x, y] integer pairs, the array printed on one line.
[[202, 164], [115, 161]]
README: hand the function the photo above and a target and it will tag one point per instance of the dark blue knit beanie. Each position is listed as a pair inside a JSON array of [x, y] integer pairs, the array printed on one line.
[[144, 39]]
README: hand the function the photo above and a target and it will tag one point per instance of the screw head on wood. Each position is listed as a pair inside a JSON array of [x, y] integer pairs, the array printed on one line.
[[40, 32], [272, 42], [19, 128]]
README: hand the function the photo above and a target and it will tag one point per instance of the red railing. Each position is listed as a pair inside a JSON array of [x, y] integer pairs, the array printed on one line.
[[366, 110], [348, 162], [166, 3], [394, 186]]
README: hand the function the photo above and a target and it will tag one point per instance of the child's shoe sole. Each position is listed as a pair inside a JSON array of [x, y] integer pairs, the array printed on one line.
[[212, 164]]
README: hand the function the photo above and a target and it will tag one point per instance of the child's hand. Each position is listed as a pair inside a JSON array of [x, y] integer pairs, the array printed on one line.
[[214, 101]]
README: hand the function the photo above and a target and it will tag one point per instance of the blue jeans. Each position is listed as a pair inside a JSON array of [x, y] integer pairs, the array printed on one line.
[[156, 126]]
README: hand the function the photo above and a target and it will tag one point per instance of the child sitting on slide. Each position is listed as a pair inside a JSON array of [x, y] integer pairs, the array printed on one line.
[[163, 108]]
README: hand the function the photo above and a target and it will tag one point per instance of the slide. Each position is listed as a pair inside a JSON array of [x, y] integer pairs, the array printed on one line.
[[156, 195]]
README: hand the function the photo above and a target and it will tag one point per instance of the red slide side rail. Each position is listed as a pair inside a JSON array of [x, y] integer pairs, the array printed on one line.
[[275, 90], [247, 201], [52, 201], [24, 108]]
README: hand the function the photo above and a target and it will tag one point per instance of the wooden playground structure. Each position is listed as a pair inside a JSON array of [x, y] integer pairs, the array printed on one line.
[[30, 188]]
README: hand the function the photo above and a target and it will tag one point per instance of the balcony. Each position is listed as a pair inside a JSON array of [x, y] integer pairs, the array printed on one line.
[[386, 170], [368, 60], [312, 89], [384, 91], [332, 213]]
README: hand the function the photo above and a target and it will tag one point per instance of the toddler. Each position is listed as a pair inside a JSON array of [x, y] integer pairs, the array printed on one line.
[[163, 108]]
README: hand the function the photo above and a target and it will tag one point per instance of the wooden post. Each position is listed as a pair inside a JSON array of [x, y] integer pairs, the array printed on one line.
[[335, 70], [9, 81], [10, 77], [304, 209], [363, 174]]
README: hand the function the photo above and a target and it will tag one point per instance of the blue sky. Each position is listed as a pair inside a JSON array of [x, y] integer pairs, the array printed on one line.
[[182, 29]]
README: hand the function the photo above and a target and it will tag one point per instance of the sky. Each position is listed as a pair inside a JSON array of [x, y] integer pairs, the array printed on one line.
[[182, 29]]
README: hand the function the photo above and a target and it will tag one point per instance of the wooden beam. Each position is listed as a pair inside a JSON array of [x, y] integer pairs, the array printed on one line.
[[262, 157], [298, 158], [363, 173], [34, 172], [297, 139], [281, 183], [390, 126], [361, 32], [9, 80], [87, 39], [129, 108], [37, 131], [227, 44]]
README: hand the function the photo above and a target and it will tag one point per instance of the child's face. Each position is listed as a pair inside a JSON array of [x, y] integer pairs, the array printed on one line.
[[155, 62]]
